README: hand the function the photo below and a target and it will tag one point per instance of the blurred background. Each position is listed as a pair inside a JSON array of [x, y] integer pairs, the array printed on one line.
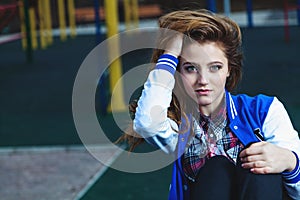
[[84, 11], [43, 43]]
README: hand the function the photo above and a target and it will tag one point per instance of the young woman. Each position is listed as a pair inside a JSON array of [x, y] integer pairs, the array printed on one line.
[[227, 146]]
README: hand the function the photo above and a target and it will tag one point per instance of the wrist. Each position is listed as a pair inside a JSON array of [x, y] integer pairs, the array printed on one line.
[[172, 53], [167, 62], [294, 175], [292, 161]]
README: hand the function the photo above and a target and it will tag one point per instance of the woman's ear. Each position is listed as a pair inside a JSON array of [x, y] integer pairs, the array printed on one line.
[[228, 73]]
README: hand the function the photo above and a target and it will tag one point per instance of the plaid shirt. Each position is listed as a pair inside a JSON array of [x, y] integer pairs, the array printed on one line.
[[211, 137]]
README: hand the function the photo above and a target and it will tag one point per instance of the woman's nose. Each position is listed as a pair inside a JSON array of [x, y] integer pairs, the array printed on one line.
[[202, 78]]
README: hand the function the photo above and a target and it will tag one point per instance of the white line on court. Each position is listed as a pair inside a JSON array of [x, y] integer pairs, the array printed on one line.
[[50, 148], [92, 181]]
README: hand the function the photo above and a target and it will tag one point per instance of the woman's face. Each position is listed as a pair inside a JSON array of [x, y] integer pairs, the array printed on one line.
[[204, 69]]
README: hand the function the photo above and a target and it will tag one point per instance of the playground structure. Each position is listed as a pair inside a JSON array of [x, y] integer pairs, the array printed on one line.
[[7, 11], [36, 14], [288, 7], [36, 22], [39, 13]]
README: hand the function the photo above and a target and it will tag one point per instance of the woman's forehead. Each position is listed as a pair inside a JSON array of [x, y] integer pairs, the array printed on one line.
[[199, 51]]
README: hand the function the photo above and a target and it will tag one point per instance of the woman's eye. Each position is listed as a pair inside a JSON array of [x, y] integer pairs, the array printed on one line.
[[191, 68], [215, 68]]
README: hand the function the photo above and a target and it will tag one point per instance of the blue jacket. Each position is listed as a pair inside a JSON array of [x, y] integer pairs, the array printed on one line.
[[245, 113]]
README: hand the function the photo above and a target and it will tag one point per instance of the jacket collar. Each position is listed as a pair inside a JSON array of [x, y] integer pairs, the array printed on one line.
[[231, 109], [239, 122]]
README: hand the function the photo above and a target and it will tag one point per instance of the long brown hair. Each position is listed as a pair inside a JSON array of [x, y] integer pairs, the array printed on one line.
[[201, 26]]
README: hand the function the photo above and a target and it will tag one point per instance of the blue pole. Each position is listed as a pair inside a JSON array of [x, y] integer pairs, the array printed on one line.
[[102, 92], [97, 21], [211, 5], [227, 7], [298, 12], [29, 53], [249, 13]]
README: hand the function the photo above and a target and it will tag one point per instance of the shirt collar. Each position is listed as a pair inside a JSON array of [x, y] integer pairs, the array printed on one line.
[[217, 117]]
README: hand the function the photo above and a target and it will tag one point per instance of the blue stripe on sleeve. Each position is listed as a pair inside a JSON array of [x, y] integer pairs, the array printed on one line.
[[167, 62], [293, 176]]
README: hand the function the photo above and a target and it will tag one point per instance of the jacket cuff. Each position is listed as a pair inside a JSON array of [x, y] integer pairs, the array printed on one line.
[[167, 62], [293, 176]]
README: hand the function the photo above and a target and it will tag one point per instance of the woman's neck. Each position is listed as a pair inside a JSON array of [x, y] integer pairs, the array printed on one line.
[[212, 111]]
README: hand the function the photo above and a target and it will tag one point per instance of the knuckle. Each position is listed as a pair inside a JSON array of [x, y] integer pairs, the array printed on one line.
[[266, 171], [247, 151], [255, 164]]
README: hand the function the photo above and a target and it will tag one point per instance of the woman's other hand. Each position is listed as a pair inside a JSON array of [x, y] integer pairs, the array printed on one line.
[[265, 158], [174, 46]]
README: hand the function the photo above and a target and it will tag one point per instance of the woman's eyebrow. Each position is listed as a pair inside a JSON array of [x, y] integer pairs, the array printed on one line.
[[190, 63], [215, 62], [196, 64]]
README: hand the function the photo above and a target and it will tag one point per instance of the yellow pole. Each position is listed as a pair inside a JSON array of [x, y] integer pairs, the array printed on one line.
[[62, 20], [135, 13], [72, 20], [34, 42], [127, 14], [47, 11], [43, 39], [112, 25], [22, 20]]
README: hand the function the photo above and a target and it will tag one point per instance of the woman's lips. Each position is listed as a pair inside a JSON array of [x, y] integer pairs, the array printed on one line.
[[202, 91]]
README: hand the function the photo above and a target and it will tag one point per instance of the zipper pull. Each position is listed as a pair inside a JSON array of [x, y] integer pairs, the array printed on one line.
[[258, 134]]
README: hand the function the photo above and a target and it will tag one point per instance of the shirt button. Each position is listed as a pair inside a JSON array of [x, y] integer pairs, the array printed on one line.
[[185, 187], [182, 139], [235, 127], [211, 135]]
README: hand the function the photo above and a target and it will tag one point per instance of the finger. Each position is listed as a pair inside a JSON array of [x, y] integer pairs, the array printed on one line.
[[252, 158], [249, 151], [258, 144], [256, 164], [262, 170], [253, 149]]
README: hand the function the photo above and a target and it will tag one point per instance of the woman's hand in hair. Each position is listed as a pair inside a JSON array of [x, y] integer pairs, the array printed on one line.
[[266, 158], [174, 46]]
